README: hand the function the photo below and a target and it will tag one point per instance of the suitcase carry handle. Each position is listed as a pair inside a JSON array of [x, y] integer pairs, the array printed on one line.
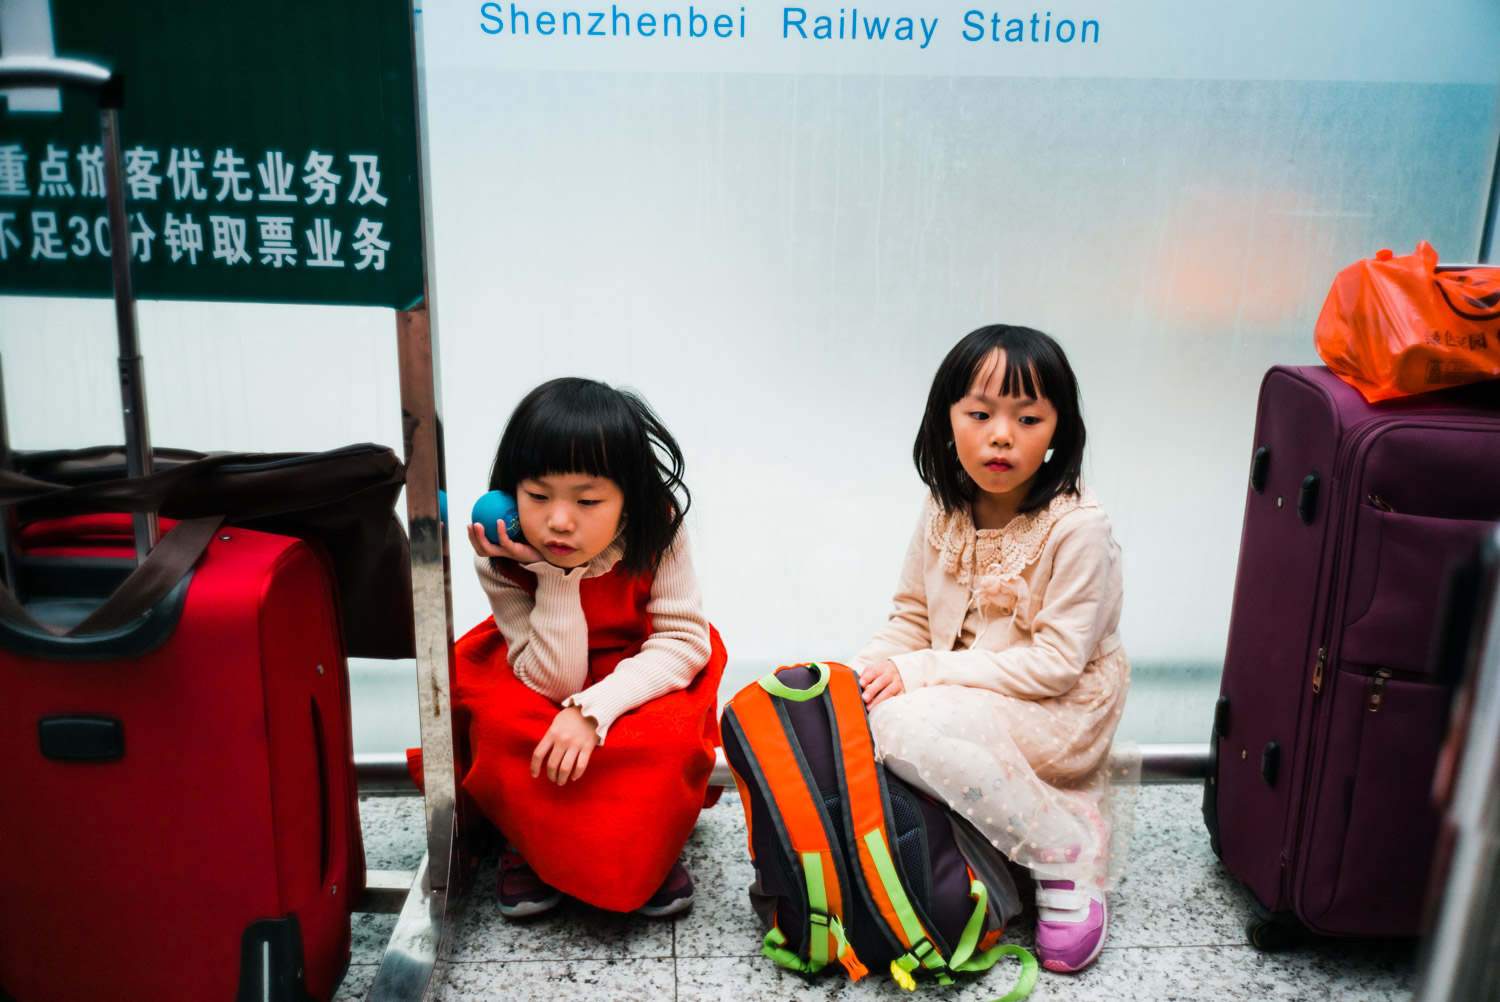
[[108, 89], [152, 580]]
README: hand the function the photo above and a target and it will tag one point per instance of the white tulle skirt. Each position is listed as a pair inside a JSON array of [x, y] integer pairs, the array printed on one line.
[[1031, 775]]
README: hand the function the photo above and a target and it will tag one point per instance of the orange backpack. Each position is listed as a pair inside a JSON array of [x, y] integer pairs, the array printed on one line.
[[852, 865]]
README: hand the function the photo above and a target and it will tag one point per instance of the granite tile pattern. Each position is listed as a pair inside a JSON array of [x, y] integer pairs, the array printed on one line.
[[394, 832], [1175, 933], [1173, 891], [356, 985], [371, 933], [571, 931], [648, 980], [1163, 974], [721, 922]]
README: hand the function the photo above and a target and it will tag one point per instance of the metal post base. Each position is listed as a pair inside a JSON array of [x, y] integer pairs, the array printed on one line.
[[406, 969]]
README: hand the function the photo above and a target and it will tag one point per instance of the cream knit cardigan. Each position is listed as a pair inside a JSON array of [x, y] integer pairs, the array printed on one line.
[[548, 638], [1021, 610]]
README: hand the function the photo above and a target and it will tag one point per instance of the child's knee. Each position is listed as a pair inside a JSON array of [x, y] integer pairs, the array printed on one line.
[[909, 716]]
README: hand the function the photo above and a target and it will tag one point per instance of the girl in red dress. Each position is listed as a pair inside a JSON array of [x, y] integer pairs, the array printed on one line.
[[590, 696]]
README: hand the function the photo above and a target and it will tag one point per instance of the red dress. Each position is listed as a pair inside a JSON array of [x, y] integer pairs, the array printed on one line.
[[610, 837]]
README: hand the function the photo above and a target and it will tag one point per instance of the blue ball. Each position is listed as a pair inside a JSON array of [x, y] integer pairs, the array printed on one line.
[[491, 508]]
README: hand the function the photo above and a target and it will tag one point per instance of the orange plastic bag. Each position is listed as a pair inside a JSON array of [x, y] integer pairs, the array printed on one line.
[[1393, 326]]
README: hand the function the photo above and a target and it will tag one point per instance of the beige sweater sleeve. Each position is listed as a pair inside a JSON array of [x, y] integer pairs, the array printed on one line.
[[672, 656], [548, 638], [907, 628], [1066, 630]]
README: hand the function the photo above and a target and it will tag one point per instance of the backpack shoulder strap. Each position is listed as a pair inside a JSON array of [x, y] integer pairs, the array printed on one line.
[[778, 770], [868, 833], [866, 805]]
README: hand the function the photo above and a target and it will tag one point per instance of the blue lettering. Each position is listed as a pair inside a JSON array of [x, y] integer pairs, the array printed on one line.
[[520, 23], [876, 27], [1071, 31], [927, 31], [577, 22], [598, 17], [978, 26], [1015, 30], [646, 25], [666, 24], [693, 19], [723, 26], [823, 27], [787, 22], [1083, 35], [484, 9], [614, 20], [903, 29], [546, 24]]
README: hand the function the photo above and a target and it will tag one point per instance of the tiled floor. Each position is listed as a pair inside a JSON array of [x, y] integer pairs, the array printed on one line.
[[1175, 933]]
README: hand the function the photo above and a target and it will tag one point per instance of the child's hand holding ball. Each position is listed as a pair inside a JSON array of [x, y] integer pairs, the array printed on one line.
[[487, 536]]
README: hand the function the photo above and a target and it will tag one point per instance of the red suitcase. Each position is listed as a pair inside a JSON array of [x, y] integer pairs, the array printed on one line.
[[175, 755], [183, 811], [1329, 721]]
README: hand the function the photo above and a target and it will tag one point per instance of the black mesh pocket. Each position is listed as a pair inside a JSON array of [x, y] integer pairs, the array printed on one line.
[[835, 808], [911, 847]]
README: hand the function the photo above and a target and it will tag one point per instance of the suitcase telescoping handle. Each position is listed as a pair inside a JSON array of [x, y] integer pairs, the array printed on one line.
[[108, 88]]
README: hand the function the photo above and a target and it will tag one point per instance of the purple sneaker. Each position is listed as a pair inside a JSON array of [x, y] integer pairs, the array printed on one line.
[[1070, 926], [674, 895], [519, 890]]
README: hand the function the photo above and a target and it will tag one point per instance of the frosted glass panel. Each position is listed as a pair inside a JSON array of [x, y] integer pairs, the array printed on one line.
[[778, 260]]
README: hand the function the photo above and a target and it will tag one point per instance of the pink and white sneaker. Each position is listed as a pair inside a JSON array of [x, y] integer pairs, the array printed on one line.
[[1071, 925]]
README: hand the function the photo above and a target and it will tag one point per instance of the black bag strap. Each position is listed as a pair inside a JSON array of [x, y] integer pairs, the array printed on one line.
[[239, 485], [342, 500], [147, 585]]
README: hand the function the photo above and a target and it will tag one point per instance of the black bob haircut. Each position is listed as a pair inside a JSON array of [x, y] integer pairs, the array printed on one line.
[[572, 425], [1035, 366]]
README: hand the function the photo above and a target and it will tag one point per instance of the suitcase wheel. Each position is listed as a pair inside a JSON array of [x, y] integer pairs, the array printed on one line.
[[1267, 934]]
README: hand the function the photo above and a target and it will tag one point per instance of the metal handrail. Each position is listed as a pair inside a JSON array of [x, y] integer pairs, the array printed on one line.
[[386, 775]]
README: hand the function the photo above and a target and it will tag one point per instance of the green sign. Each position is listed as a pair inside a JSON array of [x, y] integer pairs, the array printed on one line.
[[270, 154]]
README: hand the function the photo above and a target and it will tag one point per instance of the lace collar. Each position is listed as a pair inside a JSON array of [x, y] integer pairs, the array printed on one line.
[[1002, 553]]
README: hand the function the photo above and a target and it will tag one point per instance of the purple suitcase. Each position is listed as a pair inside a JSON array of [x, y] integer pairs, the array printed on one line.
[[1329, 719]]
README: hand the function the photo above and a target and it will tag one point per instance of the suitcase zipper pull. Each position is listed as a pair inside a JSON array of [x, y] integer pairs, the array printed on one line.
[[1381, 674], [1318, 669], [1380, 504]]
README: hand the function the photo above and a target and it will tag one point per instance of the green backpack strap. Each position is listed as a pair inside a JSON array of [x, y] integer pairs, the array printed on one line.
[[965, 959], [866, 810], [866, 806], [802, 826]]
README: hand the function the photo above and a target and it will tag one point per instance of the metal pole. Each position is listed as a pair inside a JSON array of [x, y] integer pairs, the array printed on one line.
[[425, 923], [109, 90], [8, 522], [1487, 235], [431, 582], [1461, 953], [132, 374]]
